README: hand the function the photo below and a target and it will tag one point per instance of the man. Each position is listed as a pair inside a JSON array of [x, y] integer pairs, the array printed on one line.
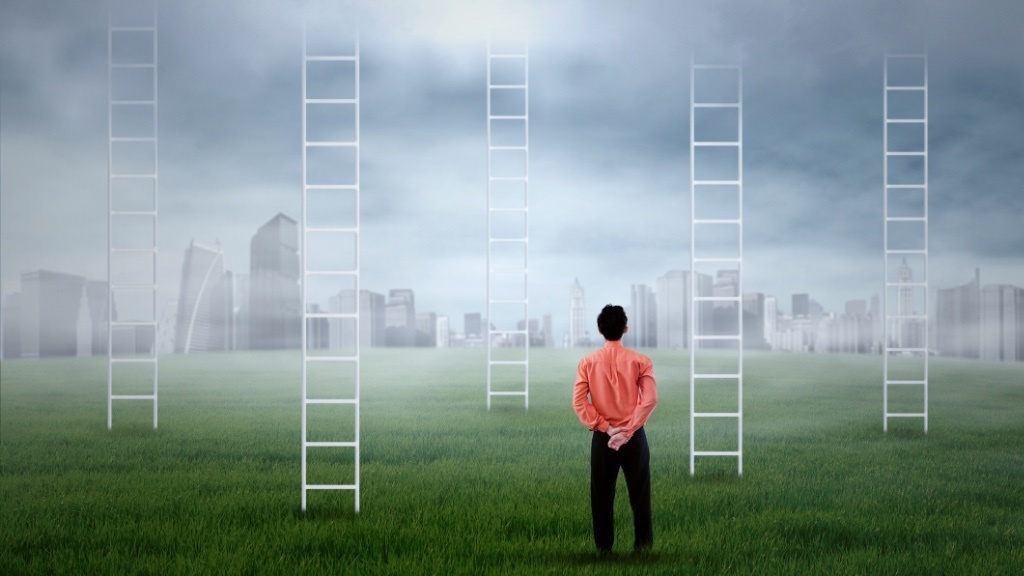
[[620, 383]]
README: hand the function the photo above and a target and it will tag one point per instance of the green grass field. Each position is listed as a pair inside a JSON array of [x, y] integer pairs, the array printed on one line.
[[449, 488]]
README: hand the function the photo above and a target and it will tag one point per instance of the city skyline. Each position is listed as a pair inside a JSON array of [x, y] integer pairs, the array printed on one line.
[[609, 130]]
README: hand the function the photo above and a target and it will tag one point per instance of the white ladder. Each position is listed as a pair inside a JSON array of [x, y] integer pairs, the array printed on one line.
[[330, 226], [508, 133], [905, 178], [132, 178], [711, 220]]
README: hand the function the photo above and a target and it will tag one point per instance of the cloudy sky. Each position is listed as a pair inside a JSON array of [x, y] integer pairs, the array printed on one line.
[[609, 139]]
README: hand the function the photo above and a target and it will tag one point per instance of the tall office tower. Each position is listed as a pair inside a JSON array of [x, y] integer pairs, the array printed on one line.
[[754, 321], [372, 310], [203, 312], [876, 324], [472, 325], [443, 334], [275, 318], [238, 289], [958, 319], [801, 306], [50, 303], [855, 328], [549, 335], [577, 316], [672, 300], [426, 329], [1001, 322], [643, 317], [400, 318], [908, 332], [96, 298], [771, 313]]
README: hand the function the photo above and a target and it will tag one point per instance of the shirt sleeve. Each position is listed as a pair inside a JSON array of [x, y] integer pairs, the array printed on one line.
[[648, 392], [585, 410]]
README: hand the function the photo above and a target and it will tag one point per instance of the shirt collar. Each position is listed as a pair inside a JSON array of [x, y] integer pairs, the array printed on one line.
[[613, 343]]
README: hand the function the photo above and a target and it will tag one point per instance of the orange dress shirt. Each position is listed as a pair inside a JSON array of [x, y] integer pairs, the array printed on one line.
[[621, 386]]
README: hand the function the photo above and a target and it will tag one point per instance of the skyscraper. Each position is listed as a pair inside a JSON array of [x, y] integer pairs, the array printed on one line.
[[801, 306], [426, 329], [275, 317], [771, 314], [1001, 318], [371, 320], [442, 333], [958, 319], [203, 312], [400, 318], [672, 307], [643, 318], [577, 316], [50, 310], [549, 335], [754, 321]]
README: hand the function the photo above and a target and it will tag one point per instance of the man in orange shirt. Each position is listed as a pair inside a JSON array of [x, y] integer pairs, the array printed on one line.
[[622, 390]]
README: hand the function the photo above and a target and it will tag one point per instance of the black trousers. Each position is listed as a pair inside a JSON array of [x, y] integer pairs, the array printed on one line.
[[635, 460]]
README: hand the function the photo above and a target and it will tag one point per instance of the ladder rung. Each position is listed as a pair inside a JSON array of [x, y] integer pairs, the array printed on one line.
[[132, 139], [905, 415], [336, 230], [906, 120], [716, 104], [133, 28], [506, 117], [907, 382], [513, 178], [695, 376], [332, 272], [132, 102], [339, 315], [723, 260], [332, 444], [905, 88], [330, 58], [332, 401], [152, 250], [150, 360], [716, 66], [908, 284], [717, 415], [717, 298], [133, 397], [508, 363], [508, 393], [331, 487], [133, 175], [906, 251], [331, 358], [922, 153], [906, 349], [524, 209], [508, 86], [508, 240], [715, 453], [508, 147], [507, 55], [133, 212], [906, 218], [716, 143], [331, 186], [730, 182], [331, 100], [133, 65], [132, 323], [331, 144], [718, 221]]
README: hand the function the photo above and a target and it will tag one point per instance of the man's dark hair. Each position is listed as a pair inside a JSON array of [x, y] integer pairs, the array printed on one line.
[[612, 322]]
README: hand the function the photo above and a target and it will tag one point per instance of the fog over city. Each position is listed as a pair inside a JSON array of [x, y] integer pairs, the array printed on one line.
[[609, 140]]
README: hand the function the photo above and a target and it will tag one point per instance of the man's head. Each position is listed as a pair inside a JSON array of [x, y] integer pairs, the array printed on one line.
[[612, 322]]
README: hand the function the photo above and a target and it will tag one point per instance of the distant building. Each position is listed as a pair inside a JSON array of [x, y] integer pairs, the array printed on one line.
[[426, 329], [771, 312], [443, 333], [50, 312], [801, 306], [643, 317], [204, 308], [907, 331], [400, 318], [473, 327], [12, 326], [577, 317], [275, 314], [549, 335], [958, 319], [672, 307], [1002, 317], [754, 321], [371, 320]]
